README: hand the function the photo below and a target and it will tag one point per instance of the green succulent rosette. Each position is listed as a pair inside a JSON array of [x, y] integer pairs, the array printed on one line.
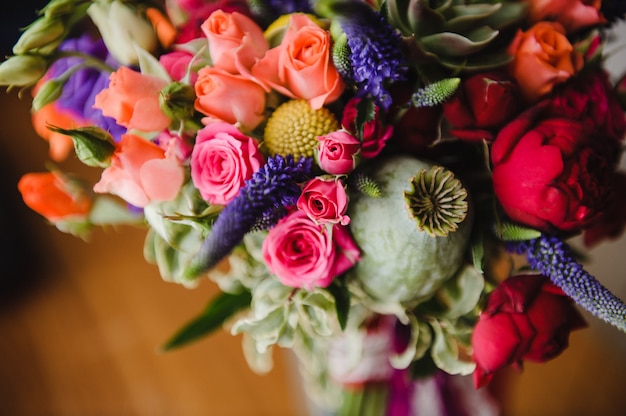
[[459, 35]]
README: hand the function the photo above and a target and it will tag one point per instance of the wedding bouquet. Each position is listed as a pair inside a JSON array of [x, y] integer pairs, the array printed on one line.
[[385, 187]]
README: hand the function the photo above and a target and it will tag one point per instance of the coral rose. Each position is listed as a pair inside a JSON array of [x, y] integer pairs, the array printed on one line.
[[141, 172], [230, 98], [305, 255], [325, 201], [303, 55], [526, 318], [549, 173], [236, 42], [51, 194], [542, 58], [222, 159], [572, 14], [132, 99]]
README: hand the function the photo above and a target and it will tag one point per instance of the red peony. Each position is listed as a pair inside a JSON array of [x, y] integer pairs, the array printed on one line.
[[482, 104], [550, 173], [526, 318], [591, 98]]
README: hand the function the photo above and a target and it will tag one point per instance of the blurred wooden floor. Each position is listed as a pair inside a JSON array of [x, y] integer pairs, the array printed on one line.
[[79, 333]]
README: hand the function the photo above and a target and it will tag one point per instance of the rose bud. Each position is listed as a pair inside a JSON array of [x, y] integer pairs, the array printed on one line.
[[325, 201], [338, 152], [483, 103], [375, 132], [526, 318]]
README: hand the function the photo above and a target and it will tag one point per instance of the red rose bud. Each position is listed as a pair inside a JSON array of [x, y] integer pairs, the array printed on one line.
[[591, 99], [526, 318], [550, 173], [375, 132], [482, 104]]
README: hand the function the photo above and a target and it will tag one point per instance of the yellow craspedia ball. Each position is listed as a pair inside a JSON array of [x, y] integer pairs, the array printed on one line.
[[294, 126]]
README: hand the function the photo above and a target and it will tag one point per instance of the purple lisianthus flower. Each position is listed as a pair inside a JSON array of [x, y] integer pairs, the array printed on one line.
[[80, 90]]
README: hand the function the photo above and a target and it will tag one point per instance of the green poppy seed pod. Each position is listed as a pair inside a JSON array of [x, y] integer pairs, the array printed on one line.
[[44, 34], [22, 70], [408, 248]]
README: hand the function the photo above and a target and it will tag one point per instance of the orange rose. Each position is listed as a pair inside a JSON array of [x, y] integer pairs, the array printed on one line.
[[542, 57], [572, 14], [141, 172], [50, 194], [132, 99], [230, 98], [236, 42], [301, 66]]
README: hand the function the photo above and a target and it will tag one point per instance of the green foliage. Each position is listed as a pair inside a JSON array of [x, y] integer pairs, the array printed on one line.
[[222, 307]]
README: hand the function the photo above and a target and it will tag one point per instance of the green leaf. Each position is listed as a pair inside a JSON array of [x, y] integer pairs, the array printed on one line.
[[445, 352], [365, 112], [516, 232], [454, 44], [222, 307], [342, 302]]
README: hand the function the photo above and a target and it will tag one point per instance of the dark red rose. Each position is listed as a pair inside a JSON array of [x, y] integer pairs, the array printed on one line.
[[481, 105], [550, 173], [417, 129], [526, 318], [591, 98], [375, 132], [612, 223]]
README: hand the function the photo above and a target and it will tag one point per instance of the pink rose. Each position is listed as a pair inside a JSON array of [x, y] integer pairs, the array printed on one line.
[[176, 63], [338, 152], [375, 132], [550, 173], [301, 66], [141, 172], [132, 99], [236, 42], [230, 98], [221, 160], [526, 318], [572, 14], [325, 201], [304, 254]]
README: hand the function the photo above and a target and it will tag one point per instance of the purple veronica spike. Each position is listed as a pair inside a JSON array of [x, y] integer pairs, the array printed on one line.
[[261, 201], [269, 10], [552, 257], [375, 52]]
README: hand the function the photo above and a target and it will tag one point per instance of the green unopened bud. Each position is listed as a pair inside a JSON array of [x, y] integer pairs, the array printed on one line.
[[177, 100], [59, 8], [341, 56], [49, 92], [43, 35], [22, 70], [93, 145]]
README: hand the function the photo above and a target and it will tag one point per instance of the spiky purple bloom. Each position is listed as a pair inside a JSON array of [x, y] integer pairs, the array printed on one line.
[[262, 199], [375, 52], [80, 90], [552, 257]]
